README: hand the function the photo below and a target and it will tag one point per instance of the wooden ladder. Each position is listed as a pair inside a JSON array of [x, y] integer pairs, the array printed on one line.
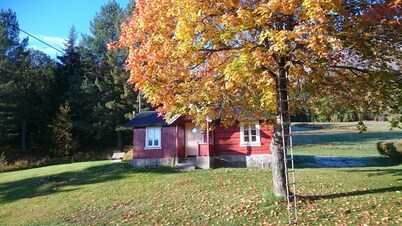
[[285, 123]]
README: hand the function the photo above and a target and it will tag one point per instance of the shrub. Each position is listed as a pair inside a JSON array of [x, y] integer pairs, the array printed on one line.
[[393, 149], [3, 161], [3, 158], [128, 155]]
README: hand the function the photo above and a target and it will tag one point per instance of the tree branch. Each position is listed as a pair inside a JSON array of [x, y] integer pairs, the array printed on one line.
[[220, 49], [350, 68]]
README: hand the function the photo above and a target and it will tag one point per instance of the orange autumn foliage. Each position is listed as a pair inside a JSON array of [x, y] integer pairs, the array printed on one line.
[[208, 58]]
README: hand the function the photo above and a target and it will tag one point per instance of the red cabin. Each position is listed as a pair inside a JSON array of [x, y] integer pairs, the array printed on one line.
[[158, 142]]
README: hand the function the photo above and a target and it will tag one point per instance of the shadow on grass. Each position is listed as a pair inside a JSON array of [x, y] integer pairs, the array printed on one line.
[[51, 183], [325, 137], [309, 161], [352, 193], [379, 172]]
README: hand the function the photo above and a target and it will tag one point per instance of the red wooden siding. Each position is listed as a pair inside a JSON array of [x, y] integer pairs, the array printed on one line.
[[180, 141], [169, 143], [227, 142], [204, 150]]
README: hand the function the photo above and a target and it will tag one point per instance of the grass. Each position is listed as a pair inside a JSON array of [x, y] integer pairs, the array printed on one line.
[[101, 192], [342, 139]]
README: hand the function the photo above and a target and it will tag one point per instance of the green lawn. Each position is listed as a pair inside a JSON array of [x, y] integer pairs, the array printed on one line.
[[101, 192], [342, 139]]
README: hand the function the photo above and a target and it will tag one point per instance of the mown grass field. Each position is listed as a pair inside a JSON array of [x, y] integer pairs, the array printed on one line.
[[342, 139], [102, 192]]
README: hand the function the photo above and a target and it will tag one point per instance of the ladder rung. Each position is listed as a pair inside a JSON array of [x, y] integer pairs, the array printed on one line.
[[290, 159], [290, 171], [292, 208], [293, 183]]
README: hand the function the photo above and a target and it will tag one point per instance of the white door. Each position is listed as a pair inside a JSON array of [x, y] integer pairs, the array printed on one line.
[[193, 137]]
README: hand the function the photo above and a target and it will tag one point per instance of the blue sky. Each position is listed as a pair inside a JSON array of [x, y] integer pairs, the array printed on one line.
[[51, 20]]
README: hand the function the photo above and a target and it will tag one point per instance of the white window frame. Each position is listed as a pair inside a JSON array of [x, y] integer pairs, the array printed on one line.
[[257, 142], [148, 131]]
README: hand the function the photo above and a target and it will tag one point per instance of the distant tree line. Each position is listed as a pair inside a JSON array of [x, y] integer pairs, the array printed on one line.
[[78, 102]]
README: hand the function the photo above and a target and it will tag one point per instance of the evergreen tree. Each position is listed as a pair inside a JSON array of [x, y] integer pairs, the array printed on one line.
[[9, 42], [26, 93], [25, 79], [70, 77], [105, 72], [62, 130], [70, 73]]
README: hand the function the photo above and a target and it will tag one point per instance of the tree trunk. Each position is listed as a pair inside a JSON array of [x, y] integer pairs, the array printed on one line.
[[24, 148], [277, 144], [120, 140], [278, 166]]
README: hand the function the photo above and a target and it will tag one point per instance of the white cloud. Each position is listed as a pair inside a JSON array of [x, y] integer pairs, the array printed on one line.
[[56, 42], [49, 51]]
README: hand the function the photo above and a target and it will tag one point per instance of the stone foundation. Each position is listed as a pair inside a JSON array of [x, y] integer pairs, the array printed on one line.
[[250, 161], [206, 162], [154, 162]]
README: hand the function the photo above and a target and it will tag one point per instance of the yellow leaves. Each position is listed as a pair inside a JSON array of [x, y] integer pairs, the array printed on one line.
[[231, 20], [318, 10], [225, 53], [335, 43], [275, 7], [181, 30], [317, 38], [267, 87], [282, 41]]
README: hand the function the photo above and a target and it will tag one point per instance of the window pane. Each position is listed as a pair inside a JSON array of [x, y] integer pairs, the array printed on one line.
[[150, 137], [157, 137], [253, 138], [153, 138], [250, 134], [157, 133]]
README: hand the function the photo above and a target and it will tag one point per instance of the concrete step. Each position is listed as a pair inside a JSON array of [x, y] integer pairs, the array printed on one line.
[[188, 159], [185, 166]]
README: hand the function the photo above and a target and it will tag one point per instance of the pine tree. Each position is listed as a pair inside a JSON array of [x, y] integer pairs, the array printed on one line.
[[62, 132], [115, 99], [25, 79], [70, 77]]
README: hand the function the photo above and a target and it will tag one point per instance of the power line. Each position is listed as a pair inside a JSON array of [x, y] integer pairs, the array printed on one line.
[[33, 36], [41, 40]]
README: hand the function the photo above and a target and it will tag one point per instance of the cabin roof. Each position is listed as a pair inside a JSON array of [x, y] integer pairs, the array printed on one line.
[[147, 119]]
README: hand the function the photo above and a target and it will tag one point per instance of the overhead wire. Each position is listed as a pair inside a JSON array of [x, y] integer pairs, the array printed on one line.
[[41, 40]]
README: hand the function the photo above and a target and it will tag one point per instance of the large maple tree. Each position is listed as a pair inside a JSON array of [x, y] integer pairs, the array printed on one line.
[[237, 60]]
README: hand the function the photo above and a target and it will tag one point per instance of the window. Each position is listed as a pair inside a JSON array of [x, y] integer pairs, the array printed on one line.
[[153, 138], [250, 135]]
